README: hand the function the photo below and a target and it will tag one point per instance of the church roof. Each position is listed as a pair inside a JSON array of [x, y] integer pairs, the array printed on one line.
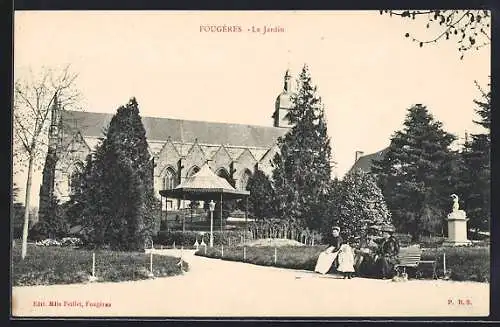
[[93, 124]]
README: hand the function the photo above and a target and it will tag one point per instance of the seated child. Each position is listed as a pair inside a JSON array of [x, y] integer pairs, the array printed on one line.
[[346, 260]]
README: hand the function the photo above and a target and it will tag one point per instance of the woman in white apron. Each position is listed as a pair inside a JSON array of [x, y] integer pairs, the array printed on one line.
[[328, 256]]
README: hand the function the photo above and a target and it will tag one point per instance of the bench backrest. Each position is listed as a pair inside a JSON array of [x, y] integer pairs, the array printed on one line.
[[409, 256]]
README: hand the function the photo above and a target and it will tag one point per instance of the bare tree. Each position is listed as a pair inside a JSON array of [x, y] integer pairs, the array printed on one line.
[[470, 28], [34, 96]]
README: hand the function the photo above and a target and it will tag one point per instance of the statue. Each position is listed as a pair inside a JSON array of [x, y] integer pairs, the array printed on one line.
[[455, 202], [457, 225]]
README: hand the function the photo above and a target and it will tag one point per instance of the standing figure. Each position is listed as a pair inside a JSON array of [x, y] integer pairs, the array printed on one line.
[[455, 202], [328, 256], [346, 260], [388, 252]]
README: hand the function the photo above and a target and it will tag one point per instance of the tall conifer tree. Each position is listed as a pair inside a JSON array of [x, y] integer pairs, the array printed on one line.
[[302, 173], [119, 205], [476, 169], [416, 174]]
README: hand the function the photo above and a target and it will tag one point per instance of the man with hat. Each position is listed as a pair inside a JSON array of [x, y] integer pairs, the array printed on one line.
[[388, 251], [328, 256]]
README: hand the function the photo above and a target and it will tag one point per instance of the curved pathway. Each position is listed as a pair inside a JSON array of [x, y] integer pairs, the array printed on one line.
[[215, 288]]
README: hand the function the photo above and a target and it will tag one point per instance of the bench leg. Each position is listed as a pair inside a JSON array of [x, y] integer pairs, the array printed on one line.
[[405, 275]]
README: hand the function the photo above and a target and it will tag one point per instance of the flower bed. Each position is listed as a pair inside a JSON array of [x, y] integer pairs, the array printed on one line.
[[468, 263], [62, 265]]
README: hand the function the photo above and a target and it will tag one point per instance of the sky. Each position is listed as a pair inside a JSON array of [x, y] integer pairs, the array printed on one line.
[[367, 73]]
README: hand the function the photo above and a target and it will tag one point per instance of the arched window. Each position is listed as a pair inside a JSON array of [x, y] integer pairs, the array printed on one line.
[[193, 170], [169, 180], [73, 174]]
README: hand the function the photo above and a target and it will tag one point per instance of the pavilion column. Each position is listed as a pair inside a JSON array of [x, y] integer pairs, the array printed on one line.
[[161, 210], [166, 212], [221, 214], [246, 216], [183, 213]]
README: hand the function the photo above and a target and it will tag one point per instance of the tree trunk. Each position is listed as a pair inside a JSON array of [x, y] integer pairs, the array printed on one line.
[[27, 207]]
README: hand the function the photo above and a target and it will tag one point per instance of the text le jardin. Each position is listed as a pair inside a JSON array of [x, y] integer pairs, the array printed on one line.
[[265, 29]]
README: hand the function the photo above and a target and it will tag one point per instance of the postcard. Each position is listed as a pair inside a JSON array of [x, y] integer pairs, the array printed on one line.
[[231, 164]]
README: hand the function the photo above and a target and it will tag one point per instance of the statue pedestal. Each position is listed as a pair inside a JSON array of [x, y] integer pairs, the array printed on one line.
[[457, 229]]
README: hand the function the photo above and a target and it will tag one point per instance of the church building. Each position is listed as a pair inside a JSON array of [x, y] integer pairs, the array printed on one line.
[[178, 147]]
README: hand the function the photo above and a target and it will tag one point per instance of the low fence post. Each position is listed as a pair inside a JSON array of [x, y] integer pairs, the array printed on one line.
[[222, 251], [93, 264], [151, 265], [93, 278], [275, 255], [244, 253], [444, 264]]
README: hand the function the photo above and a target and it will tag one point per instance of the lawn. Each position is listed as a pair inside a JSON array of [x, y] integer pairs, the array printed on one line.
[[471, 263], [63, 265]]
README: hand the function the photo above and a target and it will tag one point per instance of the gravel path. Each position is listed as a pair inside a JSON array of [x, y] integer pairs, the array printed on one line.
[[222, 288]]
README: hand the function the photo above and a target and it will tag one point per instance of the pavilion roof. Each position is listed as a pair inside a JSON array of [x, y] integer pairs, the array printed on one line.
[[204, 185]]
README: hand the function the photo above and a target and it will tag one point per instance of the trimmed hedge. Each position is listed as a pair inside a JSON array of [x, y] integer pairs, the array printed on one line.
[[58, 265], [466, 263], [188, 238]]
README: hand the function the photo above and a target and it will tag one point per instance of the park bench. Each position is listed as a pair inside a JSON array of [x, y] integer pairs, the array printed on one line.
[[411, 257]]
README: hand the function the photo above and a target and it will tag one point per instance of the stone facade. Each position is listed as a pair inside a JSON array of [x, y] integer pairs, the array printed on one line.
[[178, 147]]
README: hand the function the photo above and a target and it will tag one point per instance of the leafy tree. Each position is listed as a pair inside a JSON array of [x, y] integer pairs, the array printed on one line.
[[261, 200], [470, 28], [302, 173], [476, 168], [34, 97], [360, 204], [53, 226], [17, 213], [416, 174]]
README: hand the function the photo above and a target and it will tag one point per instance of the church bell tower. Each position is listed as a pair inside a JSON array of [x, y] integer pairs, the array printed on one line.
[[284, 103], [49, 169]]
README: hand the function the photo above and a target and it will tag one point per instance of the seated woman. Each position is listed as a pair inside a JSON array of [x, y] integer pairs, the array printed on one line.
[[366, 256], [387, 253], [328, 256]]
